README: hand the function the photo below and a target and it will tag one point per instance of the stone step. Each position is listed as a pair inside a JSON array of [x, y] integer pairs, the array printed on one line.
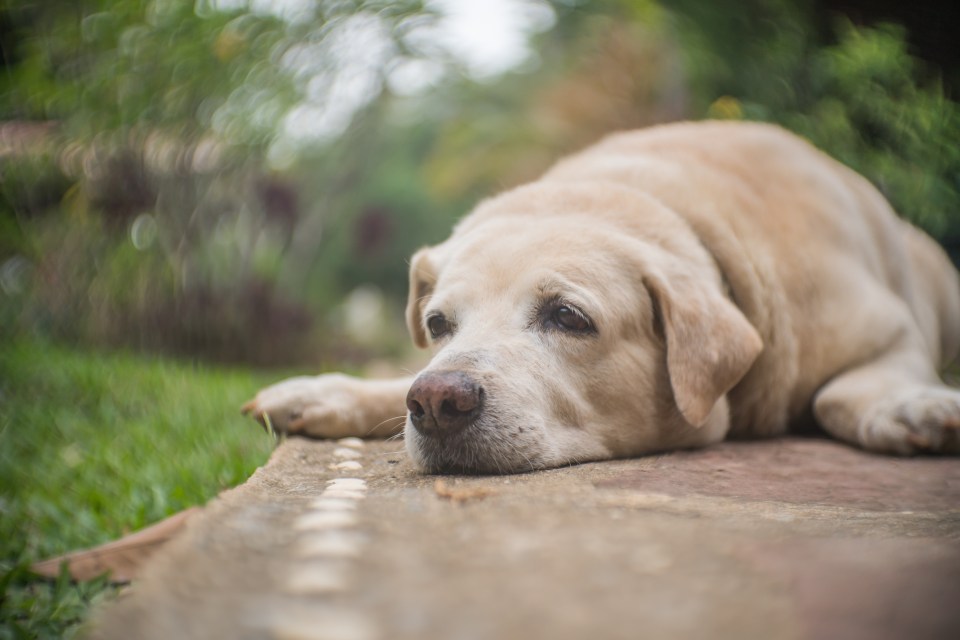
[[792, 538]]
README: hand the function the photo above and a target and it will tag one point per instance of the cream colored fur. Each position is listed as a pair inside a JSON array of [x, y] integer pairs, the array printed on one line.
[[738, 281]]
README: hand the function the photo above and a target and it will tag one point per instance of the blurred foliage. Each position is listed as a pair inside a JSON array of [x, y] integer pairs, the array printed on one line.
[[855, 92], [870, 113], [216, 179], [139, 207], [607, 65]]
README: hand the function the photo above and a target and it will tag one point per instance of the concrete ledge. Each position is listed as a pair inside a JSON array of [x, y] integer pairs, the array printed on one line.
[[791, 538]]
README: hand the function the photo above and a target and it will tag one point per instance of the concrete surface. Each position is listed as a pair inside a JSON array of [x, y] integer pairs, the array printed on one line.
[[794, 538]]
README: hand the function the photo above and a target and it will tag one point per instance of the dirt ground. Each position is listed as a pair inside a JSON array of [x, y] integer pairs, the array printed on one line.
[[793, 538]]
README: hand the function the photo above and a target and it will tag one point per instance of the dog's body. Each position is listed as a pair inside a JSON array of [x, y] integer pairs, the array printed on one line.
[[664, 289]]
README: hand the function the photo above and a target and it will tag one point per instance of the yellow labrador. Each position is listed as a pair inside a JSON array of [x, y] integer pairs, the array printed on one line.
[[663, 289]]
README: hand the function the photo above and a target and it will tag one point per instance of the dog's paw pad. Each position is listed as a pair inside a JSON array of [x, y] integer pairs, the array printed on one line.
[[924, 420]]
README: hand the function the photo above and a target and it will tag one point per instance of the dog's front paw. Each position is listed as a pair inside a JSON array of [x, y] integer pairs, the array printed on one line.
[[926, 419], [325, 406]]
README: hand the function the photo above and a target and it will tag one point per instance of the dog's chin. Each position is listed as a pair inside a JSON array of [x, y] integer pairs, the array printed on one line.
[[474, 451]]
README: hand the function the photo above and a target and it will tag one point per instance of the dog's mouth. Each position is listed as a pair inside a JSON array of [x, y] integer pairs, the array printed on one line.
[[481, 449], [459, 422]]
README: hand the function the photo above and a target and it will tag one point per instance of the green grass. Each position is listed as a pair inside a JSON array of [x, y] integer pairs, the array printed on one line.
[[95, 446]]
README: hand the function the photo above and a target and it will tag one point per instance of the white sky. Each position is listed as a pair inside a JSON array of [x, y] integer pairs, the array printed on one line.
[[491, 36], [487, 37]]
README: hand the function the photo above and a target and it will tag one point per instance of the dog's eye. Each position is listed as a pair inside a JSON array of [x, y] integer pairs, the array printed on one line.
[[570, 319], [438, 325]]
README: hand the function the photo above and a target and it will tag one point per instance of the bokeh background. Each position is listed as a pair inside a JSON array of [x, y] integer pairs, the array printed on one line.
[[242, 180], [198, 197]]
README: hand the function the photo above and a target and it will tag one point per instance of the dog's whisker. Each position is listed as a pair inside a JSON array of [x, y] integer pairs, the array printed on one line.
[[395, 437], [398, 419], [393, 419]]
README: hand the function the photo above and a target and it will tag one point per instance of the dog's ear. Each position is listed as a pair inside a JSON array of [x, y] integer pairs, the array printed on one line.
[[710, 344], [423, 276]]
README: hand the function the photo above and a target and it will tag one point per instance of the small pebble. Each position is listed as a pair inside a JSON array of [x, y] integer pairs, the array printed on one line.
[[347, 465], [779, 517], [344, 452], [329, 544], [317, 577], [356, 443], [318, 520], [345, 493], [348, 483], [311, 624], [328, 503]]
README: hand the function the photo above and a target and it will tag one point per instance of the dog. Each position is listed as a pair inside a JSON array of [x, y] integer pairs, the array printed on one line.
[[664, 289]]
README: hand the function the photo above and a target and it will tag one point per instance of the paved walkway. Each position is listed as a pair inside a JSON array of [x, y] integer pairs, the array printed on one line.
[[781, 539]]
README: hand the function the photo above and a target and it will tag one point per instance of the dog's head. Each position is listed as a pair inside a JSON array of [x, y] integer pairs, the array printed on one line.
[[569, 325]]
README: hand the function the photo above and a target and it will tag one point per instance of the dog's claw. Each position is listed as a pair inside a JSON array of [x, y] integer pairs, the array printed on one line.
[[253, 410]]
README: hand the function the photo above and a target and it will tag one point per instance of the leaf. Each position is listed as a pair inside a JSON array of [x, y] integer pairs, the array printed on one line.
[[121, 559]]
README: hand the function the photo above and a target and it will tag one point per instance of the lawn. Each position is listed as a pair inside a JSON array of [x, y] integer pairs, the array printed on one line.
[[93, 446]]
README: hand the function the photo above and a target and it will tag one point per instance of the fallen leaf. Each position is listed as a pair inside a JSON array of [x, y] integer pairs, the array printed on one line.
[[458, 494], [122, 558]]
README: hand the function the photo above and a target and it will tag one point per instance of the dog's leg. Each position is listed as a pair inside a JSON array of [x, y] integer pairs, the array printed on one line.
[[333, 406], [893, 404]]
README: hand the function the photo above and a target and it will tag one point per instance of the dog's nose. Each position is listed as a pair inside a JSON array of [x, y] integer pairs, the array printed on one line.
[[442, 402]]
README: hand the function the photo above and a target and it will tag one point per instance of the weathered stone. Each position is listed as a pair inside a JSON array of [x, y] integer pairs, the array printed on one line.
[[794, 538]]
